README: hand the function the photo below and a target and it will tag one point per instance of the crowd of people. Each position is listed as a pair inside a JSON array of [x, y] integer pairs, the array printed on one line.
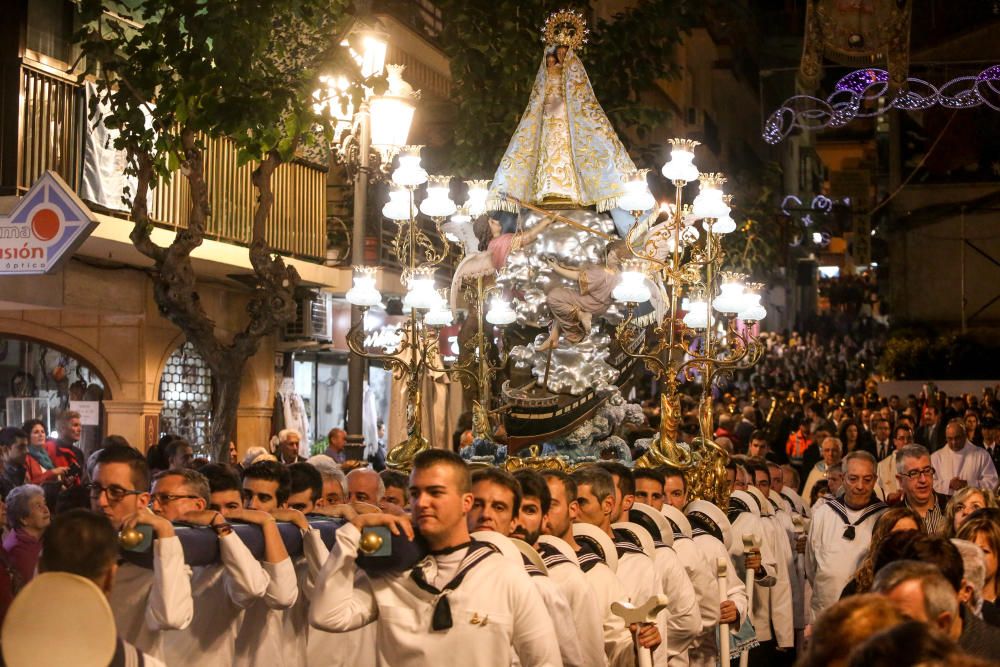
[[839, 541]]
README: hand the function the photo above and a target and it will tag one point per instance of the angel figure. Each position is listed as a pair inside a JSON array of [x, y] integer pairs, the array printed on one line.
[[573, 310], [495, 246]]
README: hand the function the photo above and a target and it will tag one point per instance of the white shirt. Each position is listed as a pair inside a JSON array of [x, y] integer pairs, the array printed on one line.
[[683, 617], [584, 609], [261, 639], [642, 580], [148, 602], [705, 651], [971, 463], [888, 483], [221, 592], [608, 588], [559, 612], [831, 559], [779, 596], [295, 621], [703, 580], [493, 590]]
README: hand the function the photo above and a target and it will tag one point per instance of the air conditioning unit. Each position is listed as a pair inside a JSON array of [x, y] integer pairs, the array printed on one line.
[[313, 319]]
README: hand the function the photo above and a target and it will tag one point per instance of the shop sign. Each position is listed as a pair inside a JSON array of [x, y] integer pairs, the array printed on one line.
[[45, 227]]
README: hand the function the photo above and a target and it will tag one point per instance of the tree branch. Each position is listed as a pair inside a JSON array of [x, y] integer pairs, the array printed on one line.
[[142, 226]]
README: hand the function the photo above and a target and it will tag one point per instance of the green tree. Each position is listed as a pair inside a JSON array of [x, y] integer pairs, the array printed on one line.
[[173, 72], [495, 50]]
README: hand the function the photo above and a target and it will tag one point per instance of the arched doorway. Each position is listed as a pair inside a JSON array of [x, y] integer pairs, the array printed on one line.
[[40, 381]]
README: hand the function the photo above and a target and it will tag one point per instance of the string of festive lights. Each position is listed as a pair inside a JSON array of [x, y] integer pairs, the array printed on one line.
[[865, 93]]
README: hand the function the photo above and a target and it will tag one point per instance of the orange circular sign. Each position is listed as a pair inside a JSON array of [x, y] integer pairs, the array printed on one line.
[[45, 224]]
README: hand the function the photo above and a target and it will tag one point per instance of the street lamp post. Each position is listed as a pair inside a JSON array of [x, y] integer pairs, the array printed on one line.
[[382, 123]]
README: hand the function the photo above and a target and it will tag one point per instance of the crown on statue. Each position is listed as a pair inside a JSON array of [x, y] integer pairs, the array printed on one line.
[[566, 27]]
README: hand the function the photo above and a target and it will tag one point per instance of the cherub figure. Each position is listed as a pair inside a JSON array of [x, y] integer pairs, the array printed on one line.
[[573, 310]]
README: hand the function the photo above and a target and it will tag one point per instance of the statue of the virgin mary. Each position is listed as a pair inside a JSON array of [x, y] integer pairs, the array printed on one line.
[[564, 153]]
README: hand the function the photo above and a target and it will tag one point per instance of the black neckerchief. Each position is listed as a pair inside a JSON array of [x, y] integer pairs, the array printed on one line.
[[551, 556], [703, 523], [736, 508], [874, 506], [478, 552], [588, 555], [626, 542]]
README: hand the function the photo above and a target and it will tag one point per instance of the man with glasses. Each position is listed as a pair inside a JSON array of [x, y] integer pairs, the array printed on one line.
[[146, 602], [222, 590], [916, 481], [841, 531], [960, 463], [888, 485]]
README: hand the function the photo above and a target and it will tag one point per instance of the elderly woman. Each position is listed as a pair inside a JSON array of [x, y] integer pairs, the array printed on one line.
[[982, 528], [962, 504], [40, 467], [27, 518]]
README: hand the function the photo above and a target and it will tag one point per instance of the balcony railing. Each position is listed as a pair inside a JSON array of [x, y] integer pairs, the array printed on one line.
[[52, 125]]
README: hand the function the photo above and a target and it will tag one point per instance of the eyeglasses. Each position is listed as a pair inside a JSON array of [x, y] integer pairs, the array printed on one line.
[[166, 498], [917, 474], [115, 492]]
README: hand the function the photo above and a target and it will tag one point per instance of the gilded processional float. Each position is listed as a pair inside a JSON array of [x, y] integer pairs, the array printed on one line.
[[575, 277]]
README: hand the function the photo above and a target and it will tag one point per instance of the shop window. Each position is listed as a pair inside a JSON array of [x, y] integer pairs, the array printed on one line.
[[186, 392], [40, 382]]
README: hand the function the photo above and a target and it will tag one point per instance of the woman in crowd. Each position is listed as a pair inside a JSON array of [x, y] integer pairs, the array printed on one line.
[[892, 521], [27, 518], [982, 528], [40, 467], [963, 503], [849, 433]]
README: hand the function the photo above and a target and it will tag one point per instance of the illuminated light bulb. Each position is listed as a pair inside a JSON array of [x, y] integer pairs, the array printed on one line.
[[632, 287], [478, 191], [500, 312], [409, 174], [398, 206], [420, 293], [364, 292], [680, 168], [637, 196], [710, 203], [438, 203], [730, 299]]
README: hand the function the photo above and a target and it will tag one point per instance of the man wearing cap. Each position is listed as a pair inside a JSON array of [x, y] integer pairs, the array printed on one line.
[[603, 583], [563, 567], [772, 606], [496, 503], [650, 489], [681, 620], [462, 602], [599, 501], [841, 531]]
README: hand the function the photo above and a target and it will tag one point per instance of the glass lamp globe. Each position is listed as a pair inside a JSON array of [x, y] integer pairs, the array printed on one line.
[[478, 191], [440, 314], [680, 168], [438, 203], [710, 203], [398, 206], [730, 299], [752, 310], [409, 174], [637, 196], [632, 287], [697, 315], [500, 312], [392, 113], [364, 292], [420, 293], [723, 225]]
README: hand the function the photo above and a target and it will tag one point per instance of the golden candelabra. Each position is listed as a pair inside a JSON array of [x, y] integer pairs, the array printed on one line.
[[679, 349]]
